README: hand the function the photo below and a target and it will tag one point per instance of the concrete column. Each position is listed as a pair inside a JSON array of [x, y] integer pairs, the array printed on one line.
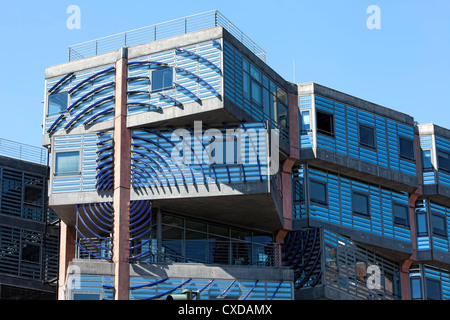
[[122, 172], [66, 254]]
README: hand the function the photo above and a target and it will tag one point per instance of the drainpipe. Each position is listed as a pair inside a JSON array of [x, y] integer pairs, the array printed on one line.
[[286, 173], [406, 265]]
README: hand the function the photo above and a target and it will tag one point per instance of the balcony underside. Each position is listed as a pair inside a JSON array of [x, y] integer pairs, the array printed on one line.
[[246, 204]]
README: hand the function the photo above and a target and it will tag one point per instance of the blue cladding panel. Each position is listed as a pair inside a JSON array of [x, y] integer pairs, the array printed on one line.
[[233, 90], [85, 181], [440, 243], [145, 288], [444, 145], [440, 275], [346, 141], [154, 165], [339, 209], [91, 93], [197, 76]]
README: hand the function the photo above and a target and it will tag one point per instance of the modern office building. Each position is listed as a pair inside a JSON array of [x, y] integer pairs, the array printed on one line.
[[181, 161], [29, 230]]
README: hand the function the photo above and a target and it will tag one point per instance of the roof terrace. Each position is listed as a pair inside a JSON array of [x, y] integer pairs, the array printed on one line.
[[164, 30]]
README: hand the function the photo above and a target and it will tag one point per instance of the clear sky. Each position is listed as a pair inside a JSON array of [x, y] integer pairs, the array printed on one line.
[[404, 65]]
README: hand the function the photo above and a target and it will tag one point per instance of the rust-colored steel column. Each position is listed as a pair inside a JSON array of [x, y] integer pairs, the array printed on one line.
[[66, 254], [122, 172], [406, 265]]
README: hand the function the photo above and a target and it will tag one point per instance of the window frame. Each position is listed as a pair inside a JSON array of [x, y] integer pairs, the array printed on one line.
[[152, 90], [374, 147], [433, 231], [431, 167], [367, 196], [439, 162], [408, 223], [425, 217], [48, 114], [322, 132], [427, 280], [77, 173], [400, 150], [325, 203], [411, 287]]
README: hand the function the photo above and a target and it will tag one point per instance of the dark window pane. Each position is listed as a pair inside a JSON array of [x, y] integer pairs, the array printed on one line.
[[162, 79], [406, 148], [30, 253], [255, 73], [439, 225], [360, 203], [443, 160], [426, 156], [256, 92], [422, 229], [246, 86], [298, 191], [416, 289], [366, 136], [57, 103], [401, 214], [318, 192], [325, 123], [33, 195], [433, 289], [67, 162]]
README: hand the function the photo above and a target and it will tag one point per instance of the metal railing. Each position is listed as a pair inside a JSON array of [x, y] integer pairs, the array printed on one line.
[[22, 151], [160, 31]]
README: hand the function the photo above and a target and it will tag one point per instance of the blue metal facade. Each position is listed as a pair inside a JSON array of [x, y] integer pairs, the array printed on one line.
[[355, 189]]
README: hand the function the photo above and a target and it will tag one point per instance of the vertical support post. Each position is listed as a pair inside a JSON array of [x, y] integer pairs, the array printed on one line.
[[122, 172], [406, 265], [66, 254]]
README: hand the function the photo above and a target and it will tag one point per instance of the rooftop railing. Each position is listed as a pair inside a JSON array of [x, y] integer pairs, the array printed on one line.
[[161, 31], [17, 150]]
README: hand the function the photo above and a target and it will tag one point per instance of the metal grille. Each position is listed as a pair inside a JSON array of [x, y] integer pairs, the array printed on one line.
[[161, 31]]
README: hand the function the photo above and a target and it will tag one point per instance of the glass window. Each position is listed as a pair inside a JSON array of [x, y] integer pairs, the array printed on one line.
[[422, 225], [282, 96], [196, 244], [31, 253], [256, 92], [318, 192], [360, 203], [32, 195], [298, 191], [255, 73], [433, 288], [401, 215], [306, 121], [246, 86], [162, 79], [67, 163], [406, 148], [246, 65], [439, 225], [325, 123], [266, 102], [57, 103], [416, 289], [443, 160], [366, 136], [427, 163]]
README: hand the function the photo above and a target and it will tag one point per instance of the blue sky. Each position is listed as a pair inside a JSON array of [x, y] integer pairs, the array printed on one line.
[[405, 65]]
